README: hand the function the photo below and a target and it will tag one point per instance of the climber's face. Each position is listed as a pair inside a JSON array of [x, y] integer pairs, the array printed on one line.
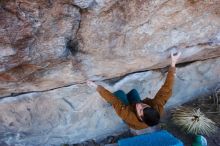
[[140, 110]]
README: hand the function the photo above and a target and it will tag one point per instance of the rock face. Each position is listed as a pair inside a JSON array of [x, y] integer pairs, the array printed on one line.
[[35, 41], [41, 50], [49, 48], [77, 113], [138, 35]]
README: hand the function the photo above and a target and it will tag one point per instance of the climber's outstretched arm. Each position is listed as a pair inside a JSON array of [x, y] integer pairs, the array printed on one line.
[[165, 91], [107, 95], [125, 112]]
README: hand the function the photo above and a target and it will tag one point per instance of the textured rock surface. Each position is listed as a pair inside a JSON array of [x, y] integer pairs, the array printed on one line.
[[35, 41], [41, 51], [120, 38], [77, 113], [66, 115], [49, 48]]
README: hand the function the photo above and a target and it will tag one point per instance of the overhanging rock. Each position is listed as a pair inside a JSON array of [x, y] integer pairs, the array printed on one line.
[[77, 113]]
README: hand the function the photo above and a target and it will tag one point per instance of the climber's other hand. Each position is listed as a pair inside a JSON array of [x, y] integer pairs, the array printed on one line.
[[174, 58], [91, 84]]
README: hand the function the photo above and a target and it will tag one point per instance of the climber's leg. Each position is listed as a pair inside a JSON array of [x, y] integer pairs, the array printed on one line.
[[121, 96], [133, 96]]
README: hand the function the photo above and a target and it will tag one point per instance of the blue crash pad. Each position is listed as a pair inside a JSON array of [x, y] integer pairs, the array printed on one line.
[[160, 138]]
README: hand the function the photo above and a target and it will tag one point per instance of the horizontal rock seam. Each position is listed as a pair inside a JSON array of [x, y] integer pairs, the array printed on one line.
[[179, 65]]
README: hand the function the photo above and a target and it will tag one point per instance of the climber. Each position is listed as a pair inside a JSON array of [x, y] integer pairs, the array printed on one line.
[[140, 114]]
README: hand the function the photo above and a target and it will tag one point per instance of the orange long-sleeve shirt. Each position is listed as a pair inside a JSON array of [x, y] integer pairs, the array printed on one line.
[[128, 113]]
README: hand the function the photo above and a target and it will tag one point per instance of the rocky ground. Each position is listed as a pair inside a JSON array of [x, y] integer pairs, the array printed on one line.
[[206, 105]]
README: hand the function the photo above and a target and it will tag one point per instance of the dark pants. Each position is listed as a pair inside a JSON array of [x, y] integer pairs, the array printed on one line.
[[130, 98]]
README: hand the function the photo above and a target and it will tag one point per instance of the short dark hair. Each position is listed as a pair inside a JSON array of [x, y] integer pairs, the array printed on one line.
[[151, 116]]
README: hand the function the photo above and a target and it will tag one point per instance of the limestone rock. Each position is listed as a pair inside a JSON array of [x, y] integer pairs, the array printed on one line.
[[67, 115], [40, 50], [35, 42], [84, 3], [138, 35], [49, 48], [77, 113]]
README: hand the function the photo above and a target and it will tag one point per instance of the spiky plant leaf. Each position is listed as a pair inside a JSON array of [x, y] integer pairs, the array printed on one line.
[[193, 121]]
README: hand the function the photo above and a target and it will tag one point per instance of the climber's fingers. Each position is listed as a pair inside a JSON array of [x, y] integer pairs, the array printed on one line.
[[178, 55], [91, 84], [175, 56]]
